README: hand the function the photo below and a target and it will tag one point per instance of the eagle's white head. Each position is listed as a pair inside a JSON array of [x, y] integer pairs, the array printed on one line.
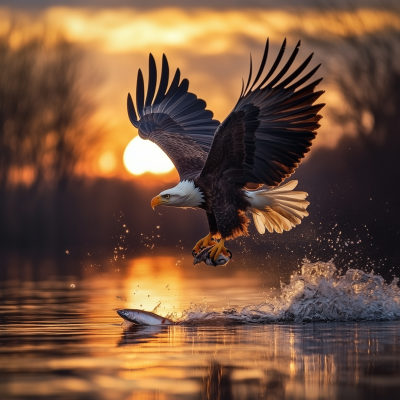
[[184, 195]]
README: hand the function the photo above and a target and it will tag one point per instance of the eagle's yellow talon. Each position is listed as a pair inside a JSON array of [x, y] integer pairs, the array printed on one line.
[[218, 249], [207, 241]]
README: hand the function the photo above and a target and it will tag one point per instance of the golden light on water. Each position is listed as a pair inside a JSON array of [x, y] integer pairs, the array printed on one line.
[[153, 281], [142, 156]]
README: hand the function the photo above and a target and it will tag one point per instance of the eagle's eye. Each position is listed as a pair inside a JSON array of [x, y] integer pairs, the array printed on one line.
[[167, 196]]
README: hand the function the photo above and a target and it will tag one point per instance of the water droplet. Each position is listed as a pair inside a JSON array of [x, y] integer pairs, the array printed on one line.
[[72, 286]]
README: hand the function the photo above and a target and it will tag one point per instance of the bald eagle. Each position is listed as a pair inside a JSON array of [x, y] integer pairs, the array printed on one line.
[[261, 142]]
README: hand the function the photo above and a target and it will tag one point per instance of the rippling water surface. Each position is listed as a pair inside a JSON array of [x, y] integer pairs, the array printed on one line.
[[61, 338]]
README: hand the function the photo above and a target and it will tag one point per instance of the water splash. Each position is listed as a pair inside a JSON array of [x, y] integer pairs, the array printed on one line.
[[318, 294], [156, 307]]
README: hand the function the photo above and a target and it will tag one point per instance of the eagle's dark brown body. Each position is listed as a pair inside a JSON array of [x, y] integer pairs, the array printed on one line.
[[226, 205]]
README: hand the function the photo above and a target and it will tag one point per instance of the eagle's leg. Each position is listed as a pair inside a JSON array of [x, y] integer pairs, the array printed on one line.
[[207, 241], [218, 249]]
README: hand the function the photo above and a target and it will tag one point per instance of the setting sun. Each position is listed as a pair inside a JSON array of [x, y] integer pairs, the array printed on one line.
[[142, 156]]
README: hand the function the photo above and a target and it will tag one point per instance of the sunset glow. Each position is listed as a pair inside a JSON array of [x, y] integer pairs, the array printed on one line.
[[213, 32], [142, 156], [211, 48], [107, 162]]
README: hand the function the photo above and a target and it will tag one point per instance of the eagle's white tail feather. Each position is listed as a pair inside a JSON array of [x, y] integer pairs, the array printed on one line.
[[301, 208], [287, 187], [291, 196], [279, 208], [259, 222], [296, 213]]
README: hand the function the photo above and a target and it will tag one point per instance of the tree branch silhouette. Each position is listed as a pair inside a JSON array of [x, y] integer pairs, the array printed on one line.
[[46, 113]]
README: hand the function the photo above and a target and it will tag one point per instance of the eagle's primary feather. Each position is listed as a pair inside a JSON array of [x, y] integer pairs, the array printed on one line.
[[261, 142], [176, 120]]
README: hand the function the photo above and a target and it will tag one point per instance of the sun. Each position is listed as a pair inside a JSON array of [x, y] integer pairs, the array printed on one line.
[[142, 156]]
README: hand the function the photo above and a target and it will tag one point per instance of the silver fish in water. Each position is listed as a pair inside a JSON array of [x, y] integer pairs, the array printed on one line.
[[204, 256], [141, 317]]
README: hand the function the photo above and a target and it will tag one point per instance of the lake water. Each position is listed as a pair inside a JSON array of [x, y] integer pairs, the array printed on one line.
[[61, 338]]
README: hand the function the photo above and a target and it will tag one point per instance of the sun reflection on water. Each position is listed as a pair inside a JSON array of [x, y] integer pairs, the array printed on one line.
[[49, 329], [153, 280]]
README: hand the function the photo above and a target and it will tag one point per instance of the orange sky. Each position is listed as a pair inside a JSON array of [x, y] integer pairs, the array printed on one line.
[[210, 47]]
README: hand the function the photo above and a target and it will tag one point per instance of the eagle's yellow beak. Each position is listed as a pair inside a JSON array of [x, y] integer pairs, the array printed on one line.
[[156, 201]]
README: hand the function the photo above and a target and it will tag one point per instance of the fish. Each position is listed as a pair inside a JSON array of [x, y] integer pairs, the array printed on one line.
[[141, 317], [204, 256]]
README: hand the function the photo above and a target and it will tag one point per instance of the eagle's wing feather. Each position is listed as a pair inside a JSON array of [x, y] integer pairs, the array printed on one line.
[[270, 129], [176, 120]]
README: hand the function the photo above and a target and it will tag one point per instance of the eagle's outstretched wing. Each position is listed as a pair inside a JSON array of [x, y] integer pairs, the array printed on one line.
[[176, 120], [270, 129]]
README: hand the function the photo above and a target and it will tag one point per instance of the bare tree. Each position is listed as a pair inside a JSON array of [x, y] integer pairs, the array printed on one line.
[[364, 66], [46, 112]]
